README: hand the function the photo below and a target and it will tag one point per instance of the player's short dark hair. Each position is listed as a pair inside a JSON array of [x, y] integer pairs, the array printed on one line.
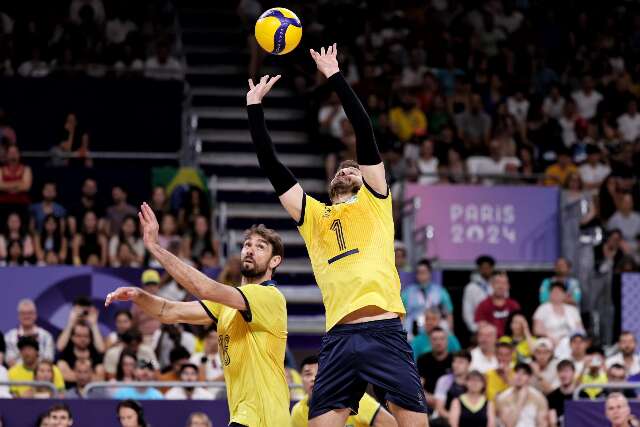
[[28, 341], [426, 263], [309, 360], [61, 407], [485, 259], [268, 234], [178, 353], [348, 164], [565, 363], [463, 354], [523, 367], [557, 284]]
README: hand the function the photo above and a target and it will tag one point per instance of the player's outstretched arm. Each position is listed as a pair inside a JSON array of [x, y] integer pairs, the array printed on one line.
[[192, 280], [284, 183], [366, 148], [162, 309]]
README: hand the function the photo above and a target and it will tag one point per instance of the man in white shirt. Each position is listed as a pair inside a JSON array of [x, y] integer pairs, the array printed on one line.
[[629, 122], [568, 122], [518, 107], [578, 344], [188, 373], [626, 220], [587, 99], [330, 117], [553, 104], [162, 66], [522, 405], [477, 290], [27, 317], [627, 355], [483, 357], [494, 164], [593, 171]]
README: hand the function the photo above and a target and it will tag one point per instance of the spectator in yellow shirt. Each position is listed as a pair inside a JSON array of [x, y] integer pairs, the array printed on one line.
[[407, 120], [25, 370], [499, 379], [557, 173]]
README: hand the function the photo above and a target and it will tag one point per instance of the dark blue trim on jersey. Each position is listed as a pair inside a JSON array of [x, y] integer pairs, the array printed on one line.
[[375, 414], [304, 206], [210, 314], [270, 282], [343, 255], [374, 192], [246, 314]]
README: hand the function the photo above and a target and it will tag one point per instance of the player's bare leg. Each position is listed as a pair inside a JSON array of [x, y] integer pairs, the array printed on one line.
[[406, 418], [333, 418]]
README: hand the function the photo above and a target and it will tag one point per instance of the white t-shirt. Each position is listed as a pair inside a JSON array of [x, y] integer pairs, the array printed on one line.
[[535, 403], [629, 126], [594, 174], [4, 376], [568, 127], [619, 358], [335, 127], [553, 108], [170, 70], [587, 104], [117, 30], [559, 326], [518, 109], [178, 393], [482, 363], [428, 167]]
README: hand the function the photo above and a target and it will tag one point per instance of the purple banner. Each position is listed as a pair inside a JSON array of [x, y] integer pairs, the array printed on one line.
[[591, 414], [102, 413], [513, 224], [55, 288]]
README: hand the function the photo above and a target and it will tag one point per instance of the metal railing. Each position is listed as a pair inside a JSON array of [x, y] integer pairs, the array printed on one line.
[[219, 385], [117, 155], [609, 386], [45, 384]]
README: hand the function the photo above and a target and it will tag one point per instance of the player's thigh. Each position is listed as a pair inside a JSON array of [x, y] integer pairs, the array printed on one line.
[[333, 418], [407, 418]]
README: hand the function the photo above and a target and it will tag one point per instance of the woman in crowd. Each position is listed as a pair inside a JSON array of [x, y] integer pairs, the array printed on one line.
[[517, 330], [128, 234], [43, 372], [123, 322], [89, 246], [200, 240], [15, 231], [52, 239], [131, 414], [472, 409], [126, 366], [199, 419]]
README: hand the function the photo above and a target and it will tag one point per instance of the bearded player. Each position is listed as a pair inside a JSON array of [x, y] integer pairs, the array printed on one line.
[[350, 243], [251, 321]]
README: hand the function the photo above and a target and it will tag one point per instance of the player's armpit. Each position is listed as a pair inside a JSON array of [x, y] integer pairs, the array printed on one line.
[[375, 177], [292, 201]]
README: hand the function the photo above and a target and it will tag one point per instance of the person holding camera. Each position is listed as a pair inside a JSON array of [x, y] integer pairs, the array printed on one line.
[[82, 311]]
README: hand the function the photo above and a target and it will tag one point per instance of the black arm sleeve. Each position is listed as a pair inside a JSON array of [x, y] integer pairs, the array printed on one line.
[[280, 176], [366, 147]]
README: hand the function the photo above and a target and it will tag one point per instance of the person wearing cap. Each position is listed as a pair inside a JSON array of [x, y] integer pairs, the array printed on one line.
[[147, 324], [188, 373], [251, 321], [144, 372], [627, 355], [544, 366]]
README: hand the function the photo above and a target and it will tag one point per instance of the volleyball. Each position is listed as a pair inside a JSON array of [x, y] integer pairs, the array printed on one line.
[[278, 31]]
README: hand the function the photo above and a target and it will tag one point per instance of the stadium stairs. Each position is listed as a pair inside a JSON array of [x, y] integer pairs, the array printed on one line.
[[217, 57]]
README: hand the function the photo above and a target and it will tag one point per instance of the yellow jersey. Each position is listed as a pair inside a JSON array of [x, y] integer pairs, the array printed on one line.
[[252, 348], [496, 384], [367, 412], [351, 249], [19, 373]]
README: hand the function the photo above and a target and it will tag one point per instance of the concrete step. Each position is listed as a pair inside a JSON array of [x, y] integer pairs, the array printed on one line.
[[241, 92], [241, 136], [242, 185], [233, 159]]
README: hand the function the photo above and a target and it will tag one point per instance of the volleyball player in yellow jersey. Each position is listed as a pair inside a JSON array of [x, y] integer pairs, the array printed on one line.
[[251, 321], [370, 412], [350, 243]]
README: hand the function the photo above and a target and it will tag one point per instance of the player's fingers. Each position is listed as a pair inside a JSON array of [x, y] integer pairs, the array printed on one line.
[[144, 215], [107, 300], [263, 79], [141, 218], [149, 211], [322, 53], [251, 85], [335, 49], [273, 81]]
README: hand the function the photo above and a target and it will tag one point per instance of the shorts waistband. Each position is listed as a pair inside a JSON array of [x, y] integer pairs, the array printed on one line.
[[384, 325]]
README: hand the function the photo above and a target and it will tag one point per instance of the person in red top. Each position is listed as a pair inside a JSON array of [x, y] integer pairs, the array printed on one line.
[[15, 183], [496, 308]]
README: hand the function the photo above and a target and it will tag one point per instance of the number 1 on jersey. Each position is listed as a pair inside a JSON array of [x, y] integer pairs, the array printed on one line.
[[337, 227]]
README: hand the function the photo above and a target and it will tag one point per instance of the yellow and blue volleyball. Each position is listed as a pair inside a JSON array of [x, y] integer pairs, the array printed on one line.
[[278, 31]]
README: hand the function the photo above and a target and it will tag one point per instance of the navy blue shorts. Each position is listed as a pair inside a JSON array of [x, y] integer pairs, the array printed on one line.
[[355, 355]]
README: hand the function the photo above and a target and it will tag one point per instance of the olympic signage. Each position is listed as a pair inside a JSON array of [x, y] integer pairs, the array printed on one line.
[[514, 224]]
